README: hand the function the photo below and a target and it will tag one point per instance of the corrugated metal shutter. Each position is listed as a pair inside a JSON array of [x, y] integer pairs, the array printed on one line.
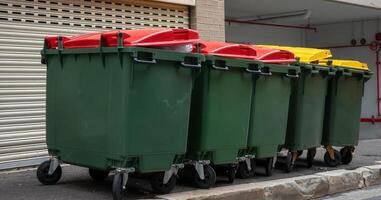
[[23, 24]]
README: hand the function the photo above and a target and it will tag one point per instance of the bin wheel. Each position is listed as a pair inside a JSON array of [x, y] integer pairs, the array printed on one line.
[[231, 171], [269, 166], [300, 152], [346, 155], [209, 178], [159, 187], [98, 175], [289, 165], [332, 162], [44, 177], [117, 187], [243, 172], [311, 153]]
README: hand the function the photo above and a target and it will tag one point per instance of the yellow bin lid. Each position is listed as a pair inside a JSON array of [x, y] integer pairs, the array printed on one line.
[[305, 55], [345, 63]]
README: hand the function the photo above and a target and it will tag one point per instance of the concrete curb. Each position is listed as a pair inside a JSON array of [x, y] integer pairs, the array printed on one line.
[[303, 187]]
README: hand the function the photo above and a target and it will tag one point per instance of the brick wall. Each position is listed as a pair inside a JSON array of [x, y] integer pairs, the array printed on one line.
[[208, 18]]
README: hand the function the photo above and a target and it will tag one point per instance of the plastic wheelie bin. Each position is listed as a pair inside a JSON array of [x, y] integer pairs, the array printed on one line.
[[220, 111], [270, 102], [114, 105], [307, 104], [345, 92]]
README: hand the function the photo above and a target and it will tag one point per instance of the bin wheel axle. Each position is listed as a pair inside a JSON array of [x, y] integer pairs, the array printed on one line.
[[231, 172], [269, 166], [159, 186], [118, 187], [290, 161], [243, 171], [47, 178], [332, 162], [209, 178], [120, 181], [311, 153], [300, 152], [346, 155]]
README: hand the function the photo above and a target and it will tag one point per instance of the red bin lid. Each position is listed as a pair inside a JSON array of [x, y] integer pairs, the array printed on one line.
[[88, 40], [229, 50], [52, 41], [269, 55], [139, 37]]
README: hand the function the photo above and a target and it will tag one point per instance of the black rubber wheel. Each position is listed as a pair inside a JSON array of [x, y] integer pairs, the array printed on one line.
[[98, 175], [231, 171], [269, 166], [159, 187], [289, 166], [311, 153], [186, 174], [209, 180], [332, 162], [117, 187], [243, 172], [300, 152], [44, 177], [346, 155]]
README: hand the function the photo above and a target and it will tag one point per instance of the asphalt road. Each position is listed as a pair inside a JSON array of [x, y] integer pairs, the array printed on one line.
[[76, 184], [371, 193]]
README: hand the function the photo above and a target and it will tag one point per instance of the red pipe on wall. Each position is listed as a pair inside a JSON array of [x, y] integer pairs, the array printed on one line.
[[378, 81], [372, 120], [270, 24], [343, 46]]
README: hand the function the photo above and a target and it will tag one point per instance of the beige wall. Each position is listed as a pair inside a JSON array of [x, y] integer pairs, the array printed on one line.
[[208, 18]]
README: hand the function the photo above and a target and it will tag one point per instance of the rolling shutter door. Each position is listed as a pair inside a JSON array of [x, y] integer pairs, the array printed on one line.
[[23, 24]]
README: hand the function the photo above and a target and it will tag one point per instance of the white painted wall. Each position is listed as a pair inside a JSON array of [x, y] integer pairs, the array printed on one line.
[[341, 34], [327, 35], [364, 54], [369, 103], [256, 34]]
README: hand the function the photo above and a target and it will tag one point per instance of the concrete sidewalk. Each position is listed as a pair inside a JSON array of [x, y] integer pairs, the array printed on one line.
[[76, 184], [296, 188]]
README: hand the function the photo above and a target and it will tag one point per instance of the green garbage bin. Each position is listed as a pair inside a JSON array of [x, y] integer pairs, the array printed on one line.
[[307, 104], [345, 92], [113, 106], [220, 111], [270, 102]]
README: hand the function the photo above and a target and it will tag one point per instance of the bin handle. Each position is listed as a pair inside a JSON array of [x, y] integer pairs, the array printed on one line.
[[153, 61], [220, 68], [253, 71], [266, 73], [292, 75], [198, 65], [331, 73], [314, 71], [367, 75], [347, 73]]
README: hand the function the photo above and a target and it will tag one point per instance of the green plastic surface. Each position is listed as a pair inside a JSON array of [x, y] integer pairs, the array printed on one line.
[[106, 110], [307, 104], [220, 110], [269, 110], [343, 107]]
